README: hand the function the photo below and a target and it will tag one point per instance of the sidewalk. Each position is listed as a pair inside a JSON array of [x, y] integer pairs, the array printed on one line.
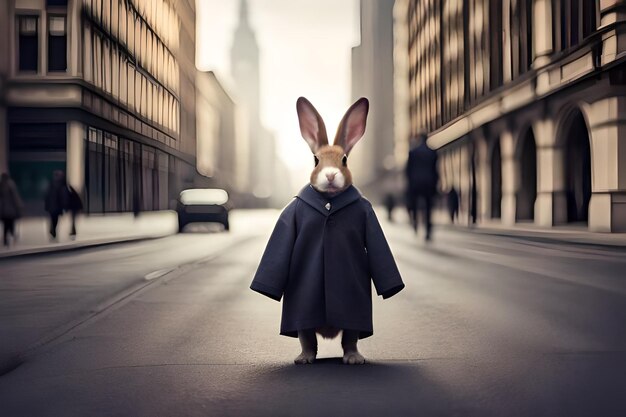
[[570, 234], [93, 230]]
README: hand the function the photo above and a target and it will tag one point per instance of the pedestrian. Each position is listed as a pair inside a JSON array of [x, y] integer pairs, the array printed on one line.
[[10, 207], [75, 206], [57, 199], [390, 203], [422, 178], [453, 204]]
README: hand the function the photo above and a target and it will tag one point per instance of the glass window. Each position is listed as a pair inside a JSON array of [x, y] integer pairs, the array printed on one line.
[[123, 81], [88, 55], [28, 43], [111, 176], [106, 61], [131, 87], [123, 22], [117, 74], [115, 23], [94, 172]]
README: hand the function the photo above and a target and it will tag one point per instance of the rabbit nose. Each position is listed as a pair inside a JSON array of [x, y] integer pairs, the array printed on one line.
[[331, 176]]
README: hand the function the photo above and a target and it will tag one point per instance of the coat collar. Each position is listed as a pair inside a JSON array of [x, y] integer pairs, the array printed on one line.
[[325, 205]]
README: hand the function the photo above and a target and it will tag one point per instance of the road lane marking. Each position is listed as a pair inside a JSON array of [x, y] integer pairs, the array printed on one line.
[[159, 273]]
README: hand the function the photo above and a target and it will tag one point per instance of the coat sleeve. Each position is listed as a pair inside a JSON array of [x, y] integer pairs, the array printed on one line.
[[271, 276], [383, 268]]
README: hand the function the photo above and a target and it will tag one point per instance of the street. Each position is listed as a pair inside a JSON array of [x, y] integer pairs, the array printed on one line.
[[486, 326]]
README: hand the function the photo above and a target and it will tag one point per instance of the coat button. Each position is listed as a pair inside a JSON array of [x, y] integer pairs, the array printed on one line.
[[327, 206]]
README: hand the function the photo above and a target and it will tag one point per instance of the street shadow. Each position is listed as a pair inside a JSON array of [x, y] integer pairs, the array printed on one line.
[[328, 387]]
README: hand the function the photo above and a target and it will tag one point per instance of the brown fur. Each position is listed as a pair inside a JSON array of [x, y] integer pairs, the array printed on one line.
[[327, 332], [350, 130], [332, 156]]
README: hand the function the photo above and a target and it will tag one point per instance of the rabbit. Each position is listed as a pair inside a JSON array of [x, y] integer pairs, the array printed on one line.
[[331, 176], [328, 247]]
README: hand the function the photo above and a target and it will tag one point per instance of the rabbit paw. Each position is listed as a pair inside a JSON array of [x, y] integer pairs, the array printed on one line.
[[353, 358], [305, 358]]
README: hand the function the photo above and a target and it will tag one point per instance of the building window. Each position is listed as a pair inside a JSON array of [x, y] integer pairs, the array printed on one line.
[[574, 20], [28, 43], [57, 43]]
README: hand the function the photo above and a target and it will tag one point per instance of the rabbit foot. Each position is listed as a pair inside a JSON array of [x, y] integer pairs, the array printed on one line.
[[305, 358], [353, 358]]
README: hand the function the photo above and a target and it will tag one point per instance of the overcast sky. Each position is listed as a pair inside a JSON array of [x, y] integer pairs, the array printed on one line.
[[305, 51]]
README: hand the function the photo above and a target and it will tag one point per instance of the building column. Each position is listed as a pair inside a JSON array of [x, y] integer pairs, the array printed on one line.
[[75, 156], [510, 178], [551, 203], [614, 41], [483, 178], [607, 121], [542, 32]]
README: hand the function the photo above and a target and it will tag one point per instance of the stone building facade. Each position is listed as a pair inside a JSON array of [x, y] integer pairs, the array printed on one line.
[[525, 101], [104, 90]]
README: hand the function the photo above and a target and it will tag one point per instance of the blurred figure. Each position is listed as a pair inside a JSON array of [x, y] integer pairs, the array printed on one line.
[[453, 204], [10, 206], [57, 200], [390, 204], [75, 206], [422, 178]]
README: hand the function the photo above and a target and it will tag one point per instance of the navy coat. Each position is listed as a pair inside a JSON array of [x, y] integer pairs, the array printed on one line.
[[322, 256]]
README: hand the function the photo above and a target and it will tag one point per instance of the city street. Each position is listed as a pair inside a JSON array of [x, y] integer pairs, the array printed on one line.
[[486, 326]]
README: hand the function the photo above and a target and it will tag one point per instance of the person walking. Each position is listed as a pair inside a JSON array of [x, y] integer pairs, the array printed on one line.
[[75, 206], [57, 200], [10, 207], [453, 204], [422, 179]]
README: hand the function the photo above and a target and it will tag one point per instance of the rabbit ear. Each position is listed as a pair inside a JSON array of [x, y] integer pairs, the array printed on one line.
[[352, 126], [311, 125]]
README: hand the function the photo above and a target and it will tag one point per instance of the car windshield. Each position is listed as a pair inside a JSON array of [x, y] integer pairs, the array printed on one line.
[[203, 196]]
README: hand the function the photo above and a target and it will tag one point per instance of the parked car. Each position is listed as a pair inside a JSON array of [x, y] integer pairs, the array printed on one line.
[[202, 205]]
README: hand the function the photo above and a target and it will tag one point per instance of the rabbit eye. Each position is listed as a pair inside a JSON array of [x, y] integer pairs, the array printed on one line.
[[344, 160], [317, 161]]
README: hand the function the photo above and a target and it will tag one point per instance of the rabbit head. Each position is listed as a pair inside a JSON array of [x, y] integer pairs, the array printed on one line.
[[331, 174]]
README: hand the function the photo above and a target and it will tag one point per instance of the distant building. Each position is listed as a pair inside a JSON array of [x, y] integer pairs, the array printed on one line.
[[372, 161], [525, 102], [245, 70], [104, 90], [218, 151]]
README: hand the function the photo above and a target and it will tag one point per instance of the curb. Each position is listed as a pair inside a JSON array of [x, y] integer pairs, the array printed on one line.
[[75, 246], [542, 237]]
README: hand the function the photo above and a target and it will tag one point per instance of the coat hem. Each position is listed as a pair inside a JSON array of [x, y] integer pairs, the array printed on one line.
[[292, 331], [266, 290]]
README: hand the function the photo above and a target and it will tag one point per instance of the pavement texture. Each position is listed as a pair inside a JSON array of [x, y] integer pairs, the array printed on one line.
[[487, 326]]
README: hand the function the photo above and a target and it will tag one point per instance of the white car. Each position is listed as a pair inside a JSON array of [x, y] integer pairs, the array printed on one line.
[[202, 205]]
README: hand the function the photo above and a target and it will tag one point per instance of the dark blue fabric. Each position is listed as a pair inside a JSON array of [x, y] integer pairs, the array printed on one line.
[[323, 261]]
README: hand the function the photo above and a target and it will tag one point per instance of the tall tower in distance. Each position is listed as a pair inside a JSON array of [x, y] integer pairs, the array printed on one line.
[[244, 60]]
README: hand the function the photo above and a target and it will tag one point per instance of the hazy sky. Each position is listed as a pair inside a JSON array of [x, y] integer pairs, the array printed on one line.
[[305, 51]]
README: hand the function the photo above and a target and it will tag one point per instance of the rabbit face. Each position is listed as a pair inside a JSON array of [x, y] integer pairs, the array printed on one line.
[[331, 174]]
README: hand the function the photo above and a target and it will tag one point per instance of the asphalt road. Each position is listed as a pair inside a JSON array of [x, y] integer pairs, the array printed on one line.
[[487, 326]]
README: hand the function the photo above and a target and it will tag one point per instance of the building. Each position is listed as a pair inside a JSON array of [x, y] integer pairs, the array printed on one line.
[[218, 147], [104, 90], [372, 161], [525, 101], [261, 152]]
